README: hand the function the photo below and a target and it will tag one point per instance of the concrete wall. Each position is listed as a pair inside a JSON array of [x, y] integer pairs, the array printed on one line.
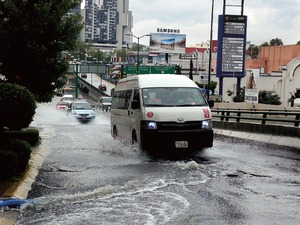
[[284, 84], [277, 135]]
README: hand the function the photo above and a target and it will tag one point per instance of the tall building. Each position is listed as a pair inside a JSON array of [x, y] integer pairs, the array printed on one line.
[[106, 23]]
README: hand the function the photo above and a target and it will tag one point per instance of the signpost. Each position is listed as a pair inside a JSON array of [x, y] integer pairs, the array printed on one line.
[[203, 78], [85, 68], [251, 95], [231, 46]]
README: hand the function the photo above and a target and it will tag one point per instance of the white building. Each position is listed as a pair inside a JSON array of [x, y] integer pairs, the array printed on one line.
[[285, 83], [106, 23]]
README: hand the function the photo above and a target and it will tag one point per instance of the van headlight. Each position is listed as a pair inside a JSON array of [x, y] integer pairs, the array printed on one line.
[[206, 124], [150, 125]]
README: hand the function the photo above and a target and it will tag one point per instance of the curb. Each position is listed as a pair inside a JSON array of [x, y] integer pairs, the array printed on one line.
[[293, 142]]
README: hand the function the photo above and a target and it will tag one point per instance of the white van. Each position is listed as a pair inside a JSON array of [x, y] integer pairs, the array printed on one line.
[[161, 112]]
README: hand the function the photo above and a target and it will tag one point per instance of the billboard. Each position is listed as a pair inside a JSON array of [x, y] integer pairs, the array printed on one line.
[[167, 43], [231, 46], [191, 50]]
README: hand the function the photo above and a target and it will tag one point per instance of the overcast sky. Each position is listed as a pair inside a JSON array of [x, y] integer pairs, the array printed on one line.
[[267, 19]]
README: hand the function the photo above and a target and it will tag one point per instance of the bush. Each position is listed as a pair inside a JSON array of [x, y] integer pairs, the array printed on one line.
[[268, 98], [17, 106], [29, 135], [14, 158], [7, 161], [239, 97]]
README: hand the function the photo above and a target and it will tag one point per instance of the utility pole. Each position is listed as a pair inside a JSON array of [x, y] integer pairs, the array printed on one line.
[[138, 50]]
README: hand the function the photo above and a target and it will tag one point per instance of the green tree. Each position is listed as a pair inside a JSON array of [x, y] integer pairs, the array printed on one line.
[[99, 55], [264, 44], [254, 51], [122, 54], [18, 106], [298, 43], [136, 47], [79, 51], [276, 42], [33, 35]]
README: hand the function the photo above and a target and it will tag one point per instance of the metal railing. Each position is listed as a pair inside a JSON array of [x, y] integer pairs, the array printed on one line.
[[270, 117]]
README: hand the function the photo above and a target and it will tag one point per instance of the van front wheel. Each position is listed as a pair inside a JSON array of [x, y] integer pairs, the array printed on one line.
[[115, 133], [133, 138]]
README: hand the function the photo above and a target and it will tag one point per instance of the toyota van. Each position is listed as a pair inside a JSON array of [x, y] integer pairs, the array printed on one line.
[[161, 112]]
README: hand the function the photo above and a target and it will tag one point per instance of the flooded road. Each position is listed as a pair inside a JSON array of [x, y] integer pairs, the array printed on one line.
[[90, 178]]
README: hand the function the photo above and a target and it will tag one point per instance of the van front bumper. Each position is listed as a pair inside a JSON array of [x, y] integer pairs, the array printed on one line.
[[164, 140]]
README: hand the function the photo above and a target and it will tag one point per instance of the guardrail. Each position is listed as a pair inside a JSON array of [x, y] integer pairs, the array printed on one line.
[[271, 117], [94, 92]]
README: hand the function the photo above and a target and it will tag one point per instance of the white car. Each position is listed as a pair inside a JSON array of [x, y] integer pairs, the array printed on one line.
[[105, 103], [68, 99], [82, 111]]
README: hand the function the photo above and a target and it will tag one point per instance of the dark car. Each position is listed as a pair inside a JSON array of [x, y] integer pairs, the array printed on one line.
[[102, 87]]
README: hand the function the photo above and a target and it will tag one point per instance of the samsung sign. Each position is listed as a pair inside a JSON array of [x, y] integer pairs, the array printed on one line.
[[165, 30]]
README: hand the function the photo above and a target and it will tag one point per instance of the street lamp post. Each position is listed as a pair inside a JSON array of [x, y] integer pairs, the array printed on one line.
[[210, 48], [138, 50], [251, 50]]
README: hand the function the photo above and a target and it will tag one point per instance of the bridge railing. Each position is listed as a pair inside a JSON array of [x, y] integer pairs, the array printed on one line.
[[270, 117]]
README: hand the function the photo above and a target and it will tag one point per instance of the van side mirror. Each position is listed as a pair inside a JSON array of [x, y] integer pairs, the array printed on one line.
[[211, 103], [135, 104]]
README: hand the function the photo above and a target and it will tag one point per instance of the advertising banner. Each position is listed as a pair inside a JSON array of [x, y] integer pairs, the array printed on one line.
[[167, 43]]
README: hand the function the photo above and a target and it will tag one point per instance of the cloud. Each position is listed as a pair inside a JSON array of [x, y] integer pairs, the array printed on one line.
[[267, 19]]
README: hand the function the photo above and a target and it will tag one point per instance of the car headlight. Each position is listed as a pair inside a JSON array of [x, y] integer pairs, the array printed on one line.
[[206, 124], [151, 125]]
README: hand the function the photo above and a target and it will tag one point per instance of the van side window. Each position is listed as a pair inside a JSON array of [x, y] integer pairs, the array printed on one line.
[[121, 99], [127, 99], [136, 96]]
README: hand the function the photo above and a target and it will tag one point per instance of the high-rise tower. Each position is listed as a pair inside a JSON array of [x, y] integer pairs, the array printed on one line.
[[106, 23]]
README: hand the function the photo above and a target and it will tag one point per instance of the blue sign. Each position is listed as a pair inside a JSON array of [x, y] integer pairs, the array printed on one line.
[[231, 46]]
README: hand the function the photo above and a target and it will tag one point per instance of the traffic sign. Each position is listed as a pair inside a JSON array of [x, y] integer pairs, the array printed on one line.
[[150, 70], [132, 70], [162, 69], [88, 68]]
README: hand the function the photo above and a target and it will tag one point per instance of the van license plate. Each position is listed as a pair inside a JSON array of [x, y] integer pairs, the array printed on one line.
[[181, 144]]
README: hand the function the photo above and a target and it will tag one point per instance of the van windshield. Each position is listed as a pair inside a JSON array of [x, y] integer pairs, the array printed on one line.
[[173, 96]]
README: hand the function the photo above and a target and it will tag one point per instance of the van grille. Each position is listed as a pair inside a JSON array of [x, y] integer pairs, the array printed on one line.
[[190, 125]]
